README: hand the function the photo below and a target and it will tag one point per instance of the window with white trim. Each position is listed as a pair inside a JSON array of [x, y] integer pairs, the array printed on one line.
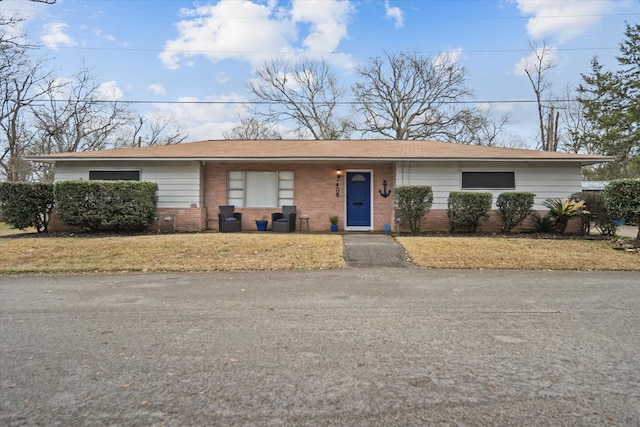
[[489, 180], [259, 189]]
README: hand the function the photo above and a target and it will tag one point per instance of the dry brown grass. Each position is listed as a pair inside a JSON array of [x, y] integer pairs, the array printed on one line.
[[175, 252], [517, 254], [270, 251], [5, 230]]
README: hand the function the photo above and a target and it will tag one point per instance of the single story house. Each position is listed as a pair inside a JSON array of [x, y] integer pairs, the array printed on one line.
[[353, 179]]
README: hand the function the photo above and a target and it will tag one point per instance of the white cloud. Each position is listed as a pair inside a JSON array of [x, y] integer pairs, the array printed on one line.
[[222, 77], [157, 88], [98, 32], [394, 13], [254, 31], [549, 56], [54, 35], [109, 91], [207, 121], [564, 20], [327, 20], [449, 57]]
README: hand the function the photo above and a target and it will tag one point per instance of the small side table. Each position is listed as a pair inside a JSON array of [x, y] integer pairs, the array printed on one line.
[[303, 219]]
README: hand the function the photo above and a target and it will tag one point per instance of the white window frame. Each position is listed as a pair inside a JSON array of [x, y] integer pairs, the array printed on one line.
[[283, 189]]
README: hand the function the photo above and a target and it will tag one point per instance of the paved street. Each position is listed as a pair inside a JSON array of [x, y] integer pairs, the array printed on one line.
[[393, 346]]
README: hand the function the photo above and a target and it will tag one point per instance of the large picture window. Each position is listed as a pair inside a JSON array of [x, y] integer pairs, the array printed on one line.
[[125, 175], [488, 180], [260, 189]]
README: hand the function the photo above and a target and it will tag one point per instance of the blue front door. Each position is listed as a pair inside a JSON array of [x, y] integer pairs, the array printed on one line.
[[358, 199]]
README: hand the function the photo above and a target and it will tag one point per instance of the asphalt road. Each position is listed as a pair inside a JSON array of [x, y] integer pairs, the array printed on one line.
[[395, 346]]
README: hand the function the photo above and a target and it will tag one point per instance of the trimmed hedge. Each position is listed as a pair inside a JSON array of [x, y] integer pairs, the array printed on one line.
[[26, 204], [622, 200], [466, 209], [92, 205], [412, 203], [514, 207]]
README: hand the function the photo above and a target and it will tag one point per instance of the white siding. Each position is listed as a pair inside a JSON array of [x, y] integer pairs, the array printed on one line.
[[545, 180], [179, 182]]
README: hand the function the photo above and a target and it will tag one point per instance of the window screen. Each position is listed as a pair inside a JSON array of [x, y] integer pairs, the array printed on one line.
[[489, 180], [115, 175], [260, 189]]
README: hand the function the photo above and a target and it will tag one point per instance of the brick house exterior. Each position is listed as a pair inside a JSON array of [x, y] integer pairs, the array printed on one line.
[[322, 178]]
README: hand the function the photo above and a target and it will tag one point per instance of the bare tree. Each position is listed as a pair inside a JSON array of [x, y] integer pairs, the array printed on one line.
[[156, 129], [574, 125], [22, 82], [306, 93], [10, 36], [252, 128], [408, 96], [77, 116], [480, 126], [537, 68]]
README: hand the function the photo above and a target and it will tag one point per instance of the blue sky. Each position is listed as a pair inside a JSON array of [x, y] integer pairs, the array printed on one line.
[[173, 50]]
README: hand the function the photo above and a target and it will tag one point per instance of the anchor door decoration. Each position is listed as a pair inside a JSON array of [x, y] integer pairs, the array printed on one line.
[[384, 193]]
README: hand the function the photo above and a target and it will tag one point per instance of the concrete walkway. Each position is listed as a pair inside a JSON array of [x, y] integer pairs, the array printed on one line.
[[626, 231], [373, 250]]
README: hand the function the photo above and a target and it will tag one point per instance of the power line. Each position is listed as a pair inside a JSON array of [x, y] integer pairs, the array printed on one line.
[[470, 102], [200, 51], [450, 18]]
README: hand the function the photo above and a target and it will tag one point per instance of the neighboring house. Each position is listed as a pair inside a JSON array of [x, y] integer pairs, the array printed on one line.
[[594, 185], [344, 177]]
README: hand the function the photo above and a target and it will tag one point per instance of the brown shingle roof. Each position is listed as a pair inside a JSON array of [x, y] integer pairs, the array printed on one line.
[[279, 150]]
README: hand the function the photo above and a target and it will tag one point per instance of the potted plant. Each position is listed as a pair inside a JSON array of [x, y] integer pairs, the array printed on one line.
[[333, 219], [261, 223]]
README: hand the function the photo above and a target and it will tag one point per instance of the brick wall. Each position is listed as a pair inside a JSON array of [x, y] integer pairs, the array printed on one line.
[[314, 192], [437, 221], [186, 219]]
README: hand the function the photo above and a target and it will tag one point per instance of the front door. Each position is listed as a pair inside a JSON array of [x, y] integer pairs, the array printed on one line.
[[359, 199]]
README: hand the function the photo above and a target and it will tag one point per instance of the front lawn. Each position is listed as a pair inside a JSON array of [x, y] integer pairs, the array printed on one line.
[[517, 253], [272, 251], [170, 252]]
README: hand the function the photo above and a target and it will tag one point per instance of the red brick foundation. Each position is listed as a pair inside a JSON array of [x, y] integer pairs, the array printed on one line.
[[437, 221], [180, 219], [168, 219]]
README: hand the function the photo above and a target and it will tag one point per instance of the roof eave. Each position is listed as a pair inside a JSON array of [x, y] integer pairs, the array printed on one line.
[[583, 161]]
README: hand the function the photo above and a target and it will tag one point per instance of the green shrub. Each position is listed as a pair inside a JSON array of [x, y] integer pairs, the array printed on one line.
[[561, 210], [123, 205], [542, 224], [622, 200], [412, 203], [466, 209], [26, 204], [514, 207], [594, 204]]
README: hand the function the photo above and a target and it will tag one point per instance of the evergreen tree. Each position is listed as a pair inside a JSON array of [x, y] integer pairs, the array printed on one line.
[[611, 103]]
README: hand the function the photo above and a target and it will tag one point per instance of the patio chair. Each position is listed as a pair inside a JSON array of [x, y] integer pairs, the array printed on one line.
[[285, 221], [229, 220]]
